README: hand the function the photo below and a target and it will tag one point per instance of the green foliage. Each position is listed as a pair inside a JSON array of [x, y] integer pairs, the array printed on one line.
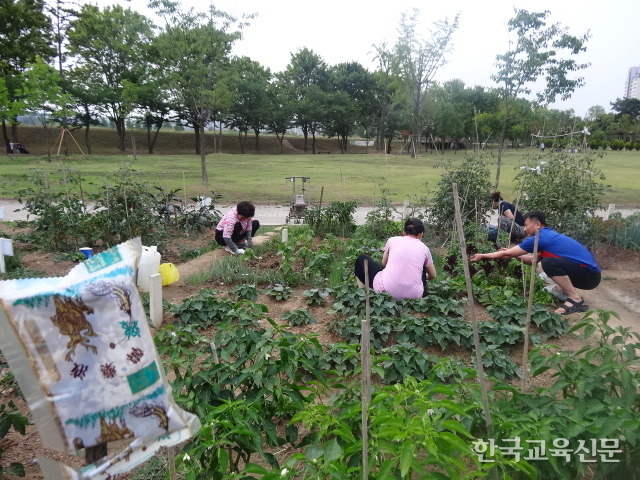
[[472, 176], [336, 218], [593, 396], [203, 309], [567, 190], [403, 360], [316, 297], [624, 232], [298, 317], [245, 292], [380, 223], [514, 310], [279, 292], [10, 418]]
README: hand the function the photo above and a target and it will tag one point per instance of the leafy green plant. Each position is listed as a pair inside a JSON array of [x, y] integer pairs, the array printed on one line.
[[336, 218], [350, 328], [568, 189], [515, 310], [403, 360], [497, 364], [245, 292], [203, 309], [298, 317], [316, 297], [472, 176], [279, 292], [10, 418]]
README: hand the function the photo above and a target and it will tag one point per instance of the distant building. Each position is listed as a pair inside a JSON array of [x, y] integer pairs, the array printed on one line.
[[632, 87]]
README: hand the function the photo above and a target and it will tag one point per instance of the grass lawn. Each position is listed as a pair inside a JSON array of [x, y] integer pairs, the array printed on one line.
[[261, 177]]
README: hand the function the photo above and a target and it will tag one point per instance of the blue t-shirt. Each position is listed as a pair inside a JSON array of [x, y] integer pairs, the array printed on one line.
[[554, 244]]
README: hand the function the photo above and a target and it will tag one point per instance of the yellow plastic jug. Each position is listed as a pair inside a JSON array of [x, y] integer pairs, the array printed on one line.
[[169, 273]]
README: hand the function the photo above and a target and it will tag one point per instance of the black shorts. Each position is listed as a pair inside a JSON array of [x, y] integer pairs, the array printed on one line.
[[581, 277]]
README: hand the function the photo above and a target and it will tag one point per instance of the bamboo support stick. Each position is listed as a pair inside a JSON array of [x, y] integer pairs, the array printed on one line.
[[527, 324], [472, 310], [365, 351]]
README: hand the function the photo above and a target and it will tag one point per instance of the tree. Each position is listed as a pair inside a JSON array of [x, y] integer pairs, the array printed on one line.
[[417, 61], [61, 15], [539, 50], [627, 106], [250, 108], [112, 45], [43, 96], [193, 49], [280, 112], [307, 78], [352, 101], [25, 34]]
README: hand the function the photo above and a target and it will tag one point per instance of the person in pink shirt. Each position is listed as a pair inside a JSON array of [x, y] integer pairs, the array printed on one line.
[[406, 264], [236, 228]]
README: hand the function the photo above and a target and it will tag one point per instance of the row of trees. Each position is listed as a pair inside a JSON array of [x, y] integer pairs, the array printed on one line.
[[75, 66]]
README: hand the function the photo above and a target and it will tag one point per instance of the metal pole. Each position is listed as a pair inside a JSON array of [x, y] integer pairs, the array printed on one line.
[[365, 352]]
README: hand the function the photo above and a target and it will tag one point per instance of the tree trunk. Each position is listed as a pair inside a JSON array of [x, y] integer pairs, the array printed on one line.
[[120, 129], [500, 149], [313, 142], [203, 156], [257, 134], [5, 135], [87, 142], [197, 132]]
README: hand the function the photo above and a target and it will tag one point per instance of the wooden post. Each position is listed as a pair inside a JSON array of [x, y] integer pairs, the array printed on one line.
[[525, 353], [365, 352], [472, 310], [155, 299]]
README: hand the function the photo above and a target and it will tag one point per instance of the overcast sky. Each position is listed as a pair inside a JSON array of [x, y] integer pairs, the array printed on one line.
[[345, 30]]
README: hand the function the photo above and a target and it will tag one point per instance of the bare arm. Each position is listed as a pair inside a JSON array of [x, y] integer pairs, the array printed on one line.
[[431, 271], [513, 252], [385, 257], [508, 214]]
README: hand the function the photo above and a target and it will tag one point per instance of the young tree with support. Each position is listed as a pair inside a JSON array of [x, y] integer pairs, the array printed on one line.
[[538, 51]]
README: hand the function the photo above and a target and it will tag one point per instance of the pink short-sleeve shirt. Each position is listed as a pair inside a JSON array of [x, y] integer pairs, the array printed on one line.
[[402, 276]]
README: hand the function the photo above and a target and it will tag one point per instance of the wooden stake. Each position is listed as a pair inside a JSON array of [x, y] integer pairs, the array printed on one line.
[[155, 299], [527, 323], [472, 310], [365, 352]]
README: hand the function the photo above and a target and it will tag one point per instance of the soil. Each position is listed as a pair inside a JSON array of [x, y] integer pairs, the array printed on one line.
[[619, 292]]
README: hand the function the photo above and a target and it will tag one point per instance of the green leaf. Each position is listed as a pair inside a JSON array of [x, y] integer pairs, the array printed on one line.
[[406, 457], [313, 452], [332, 451]]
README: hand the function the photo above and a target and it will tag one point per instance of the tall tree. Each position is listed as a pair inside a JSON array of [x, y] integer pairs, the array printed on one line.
[[417, 61], [194, 50], [280, 112], [539, 51], [44, 97], [250, 108], [25, 34], [307, 77], [113, 45], [352, 104], [62, 13]]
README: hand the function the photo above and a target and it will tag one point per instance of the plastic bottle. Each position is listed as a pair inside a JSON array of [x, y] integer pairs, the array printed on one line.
[[149, 264]]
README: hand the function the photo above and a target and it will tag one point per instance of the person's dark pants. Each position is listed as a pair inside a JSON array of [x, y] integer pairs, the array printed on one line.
[[581, 277], [236, 236], [374, 269]]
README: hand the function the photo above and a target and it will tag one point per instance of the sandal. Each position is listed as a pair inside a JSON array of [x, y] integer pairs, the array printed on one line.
[[574, 307]]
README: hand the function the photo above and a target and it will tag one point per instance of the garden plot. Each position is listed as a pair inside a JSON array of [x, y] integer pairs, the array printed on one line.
[[267, 386]]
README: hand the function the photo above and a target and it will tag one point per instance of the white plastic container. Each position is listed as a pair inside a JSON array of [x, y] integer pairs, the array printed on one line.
[[149, 264]]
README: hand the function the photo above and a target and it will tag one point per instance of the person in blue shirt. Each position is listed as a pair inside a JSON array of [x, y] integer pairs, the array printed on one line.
[[566, 261]]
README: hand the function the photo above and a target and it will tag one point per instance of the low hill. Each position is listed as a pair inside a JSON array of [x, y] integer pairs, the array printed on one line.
[[104, 142]]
